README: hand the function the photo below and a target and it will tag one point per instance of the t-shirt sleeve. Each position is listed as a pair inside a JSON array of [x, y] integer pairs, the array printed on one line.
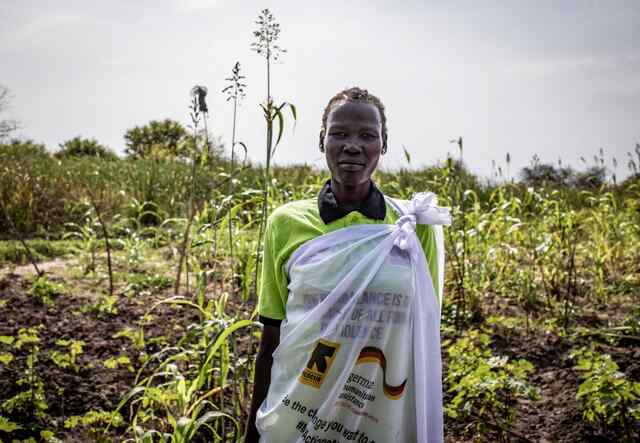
[[273, 282], [427, 238]]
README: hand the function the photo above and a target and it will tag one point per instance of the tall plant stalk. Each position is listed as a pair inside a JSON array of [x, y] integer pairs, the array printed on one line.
[[198, 106], [460, 259], [265, 45], [235, 92]]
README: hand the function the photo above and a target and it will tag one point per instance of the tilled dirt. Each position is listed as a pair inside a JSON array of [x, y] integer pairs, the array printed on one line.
[[555, 417], [92, 386]]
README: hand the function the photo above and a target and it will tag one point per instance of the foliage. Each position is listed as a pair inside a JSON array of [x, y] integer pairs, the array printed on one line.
[[30, 402], [45, 290], [545, 174], [608, 397], [95, 420], [68, 359], [15, 149], [485, 386], [84, 147], [114, 362], [183, 393], [8, 426], [13, 252], [166, 137]]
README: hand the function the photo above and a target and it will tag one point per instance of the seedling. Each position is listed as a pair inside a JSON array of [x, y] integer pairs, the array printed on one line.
[[68, 359], [608, 397]]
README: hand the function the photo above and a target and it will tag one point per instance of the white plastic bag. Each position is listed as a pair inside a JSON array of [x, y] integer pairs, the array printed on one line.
[[359, 354]]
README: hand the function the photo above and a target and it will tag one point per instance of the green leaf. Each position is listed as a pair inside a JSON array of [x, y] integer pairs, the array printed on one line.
[[6, 358], [278, 114], [8, 426], [407, 156]]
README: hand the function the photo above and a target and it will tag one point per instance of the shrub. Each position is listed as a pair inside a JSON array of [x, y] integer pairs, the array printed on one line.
[[84, 147], [485, 386], [607, 397]]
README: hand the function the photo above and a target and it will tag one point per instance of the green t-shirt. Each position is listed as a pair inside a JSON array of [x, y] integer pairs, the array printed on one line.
[[297, 222]]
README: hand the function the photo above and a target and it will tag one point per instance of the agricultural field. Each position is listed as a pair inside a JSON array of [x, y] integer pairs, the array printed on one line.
[[136, 320]]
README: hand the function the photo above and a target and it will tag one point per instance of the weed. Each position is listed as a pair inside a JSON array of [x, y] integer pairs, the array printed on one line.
[[114, 362], [68, 359], [485, 386], [45, 290], [608, 397]]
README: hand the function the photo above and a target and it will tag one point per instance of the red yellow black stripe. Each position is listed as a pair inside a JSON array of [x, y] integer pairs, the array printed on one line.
[[371, 354]]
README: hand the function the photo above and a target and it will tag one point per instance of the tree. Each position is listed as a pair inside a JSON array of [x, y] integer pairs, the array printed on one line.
[[7, 126], [541, 174], [592, 178], [166, 137], [84, 147]]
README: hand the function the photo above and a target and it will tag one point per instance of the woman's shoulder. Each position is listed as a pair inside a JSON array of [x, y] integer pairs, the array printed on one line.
[[295, 211]]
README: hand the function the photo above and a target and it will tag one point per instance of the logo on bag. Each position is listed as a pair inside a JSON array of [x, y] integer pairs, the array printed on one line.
[[371, 354], [319, 363]]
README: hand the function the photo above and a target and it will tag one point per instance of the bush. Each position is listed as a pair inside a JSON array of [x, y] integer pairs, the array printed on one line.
[[485, 386], [21, 149], [607, 397], [84, 147]]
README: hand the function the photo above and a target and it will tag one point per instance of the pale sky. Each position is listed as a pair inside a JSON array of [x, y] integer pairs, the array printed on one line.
[[553, 78]]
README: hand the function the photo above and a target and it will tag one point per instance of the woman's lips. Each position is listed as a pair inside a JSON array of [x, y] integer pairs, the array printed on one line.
[[348, 166]]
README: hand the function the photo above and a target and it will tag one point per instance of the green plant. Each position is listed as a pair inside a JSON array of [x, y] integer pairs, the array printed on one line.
[[165, 136], [7, 425], [86, 246], [96, 421], [235, 92], [266, 36], [30, 403], [114, 362], [68, 359], [607, 396], [136, 336], [182, 392], [485, 386], [198, 107], [45, 290], [83, 147]]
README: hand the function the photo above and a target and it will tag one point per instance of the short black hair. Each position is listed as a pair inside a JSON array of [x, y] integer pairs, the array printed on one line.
[[354, 94]]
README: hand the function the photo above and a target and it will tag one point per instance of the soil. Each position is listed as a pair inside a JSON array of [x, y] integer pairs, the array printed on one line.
[[93, 386], [555, 417]]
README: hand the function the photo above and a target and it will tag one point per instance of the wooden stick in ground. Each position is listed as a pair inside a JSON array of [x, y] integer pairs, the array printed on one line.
[[21, 239], [106, 238]]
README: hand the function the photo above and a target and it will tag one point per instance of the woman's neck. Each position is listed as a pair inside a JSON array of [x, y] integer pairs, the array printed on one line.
[[350, 197]]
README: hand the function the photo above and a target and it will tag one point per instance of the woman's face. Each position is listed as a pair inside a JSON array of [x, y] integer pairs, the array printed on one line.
[[353, 142]]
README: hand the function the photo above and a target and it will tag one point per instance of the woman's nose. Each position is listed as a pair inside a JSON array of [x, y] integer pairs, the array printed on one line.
[[351, 148]]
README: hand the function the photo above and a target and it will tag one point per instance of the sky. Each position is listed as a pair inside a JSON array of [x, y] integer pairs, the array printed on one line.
[[558, 79]]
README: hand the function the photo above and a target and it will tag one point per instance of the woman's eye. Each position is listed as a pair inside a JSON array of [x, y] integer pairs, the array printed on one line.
[[368, 136], [337, 134]]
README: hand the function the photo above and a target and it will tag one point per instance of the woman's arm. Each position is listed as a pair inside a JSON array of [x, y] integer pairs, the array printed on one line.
[[268, 344]]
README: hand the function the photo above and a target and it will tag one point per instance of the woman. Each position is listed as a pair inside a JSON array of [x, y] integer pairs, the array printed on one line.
[[348, 301]]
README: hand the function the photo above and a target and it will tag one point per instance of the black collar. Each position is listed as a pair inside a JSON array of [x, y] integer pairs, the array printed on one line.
[[330, 210]]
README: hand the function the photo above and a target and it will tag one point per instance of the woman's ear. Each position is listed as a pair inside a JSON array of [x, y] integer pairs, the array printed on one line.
[[384, 144], [321, 140]]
